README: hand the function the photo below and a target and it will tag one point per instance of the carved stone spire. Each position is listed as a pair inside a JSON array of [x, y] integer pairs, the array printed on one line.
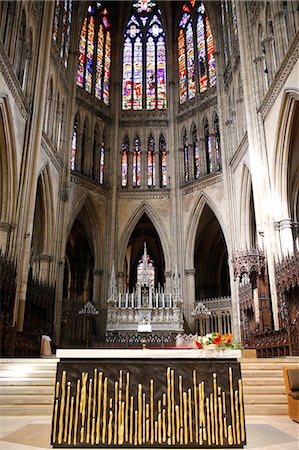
[[176, 287], [112, 293], [144, 274]]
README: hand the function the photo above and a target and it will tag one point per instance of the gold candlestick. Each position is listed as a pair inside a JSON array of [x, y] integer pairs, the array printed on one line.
[[200, 436], [168, 403], [159, 428], [68, 396], [195, 406], [230, 435], [55, 421], [110, 427], [185, 418], [203, 400], [177, 416], [164, 425], [83, 405], [122, 424], [215, 407], [152, 409], [220, 420], [147, 426], [57, 389], [89, 411], [208, 420], [172, 407], [212, 418], [190, 415], [232, 403], [115, 411], [181, 398], [136, 428], [143, 416], [62, 405], [225, 427], [131, 419], [139, 414], [237, 417], [127, 407], [241, 410]]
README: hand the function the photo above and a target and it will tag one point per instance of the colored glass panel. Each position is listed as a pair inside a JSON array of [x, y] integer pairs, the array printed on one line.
[[74, 149], [102, 162], [136, 163], [81, 58], [196, 159], [151, 162], [150, 74], [182, 67], [68, 33], [137, 75], [161, 74], [127, 74], [190, 61], [100, 59], [210, 51], [89, 56], [64, 26], [106, 89], [124, 162], [201, 53], [163, 163], [186, 159], [144, 6], [208, 149], [56, 21]]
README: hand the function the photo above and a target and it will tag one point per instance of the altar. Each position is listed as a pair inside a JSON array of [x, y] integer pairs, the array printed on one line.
[[148, 398]]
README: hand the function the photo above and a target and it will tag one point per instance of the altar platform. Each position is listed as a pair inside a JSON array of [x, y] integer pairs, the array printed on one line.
[[148, 398]]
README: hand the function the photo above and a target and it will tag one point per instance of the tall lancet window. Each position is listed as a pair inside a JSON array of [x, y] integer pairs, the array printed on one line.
[[195, 153], [195, 51], [124, 161], [151, 162], [94, 60], [218, 161], [163, 162], [144, 59], [62, 27], [102, 162], [74, 144], [208, 147], [136, 162], [186, 156]]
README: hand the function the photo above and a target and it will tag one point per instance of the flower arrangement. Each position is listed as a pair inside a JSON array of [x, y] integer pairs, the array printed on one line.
[[217, 340]]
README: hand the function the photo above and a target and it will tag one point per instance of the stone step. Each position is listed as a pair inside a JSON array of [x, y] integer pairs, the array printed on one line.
[[266, 390], [26, 410], [247, 373], [30, 373], [265, 366], [253, 381], [264, 399], [23, 390], [26, 399], [23, 381], [266, 410]]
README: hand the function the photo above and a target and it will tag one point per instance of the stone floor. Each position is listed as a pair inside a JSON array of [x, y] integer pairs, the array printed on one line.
[[263, 433]]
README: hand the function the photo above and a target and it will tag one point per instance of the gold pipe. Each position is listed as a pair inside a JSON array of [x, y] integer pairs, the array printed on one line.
[[147, 411], [164, 399], [104, 410], [57, 389], [136, 427], [89, 411], [122, 424], [160, 428], [215, 406], [224, 402], [127, 407], [77, 411], [181, 398], [208, 420], [230, 435], [62, 405], [181, 436], [55, 421], [168, 404], [225, 427], [82, 405], [195, 406], [177, 416], [115, 411], [200, 413], [131, 419], [241, 410], [110, 427], [147, 430], [172, 407], [200, 436], [237, 417], [71, 421], [203, 400], [232, 403], [143, 416], [164, 425], [212, 418], [156, 431], [159, 406], [220, 420], [185, 418], [100, 382], [152, 409], [190, 415], [93, 429], [120, 379], [67, 409], [119, 418], [139, 414], [95, 382]]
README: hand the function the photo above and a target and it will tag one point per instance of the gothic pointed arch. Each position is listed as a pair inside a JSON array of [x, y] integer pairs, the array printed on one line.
[[46, 192], [8, 175], [247, 225], [153, 216]]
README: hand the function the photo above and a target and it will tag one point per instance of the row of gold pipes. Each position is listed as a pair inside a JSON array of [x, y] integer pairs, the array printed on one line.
[[91, 416]]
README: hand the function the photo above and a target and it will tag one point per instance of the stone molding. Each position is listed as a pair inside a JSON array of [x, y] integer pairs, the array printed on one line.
[[239, 153], [189, 272], [93, 105], [186, 112], [202, 183], [58, 63], [6, 226], [88, 184], [51, 152], [13, 83], [281, 76], [144, 195]]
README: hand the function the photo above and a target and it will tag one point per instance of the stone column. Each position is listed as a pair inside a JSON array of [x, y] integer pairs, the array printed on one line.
[[97, 273], [286, 236], [5, 229], [280, 34], [189, 302], [268, 44], [168, 285], [44, 267]]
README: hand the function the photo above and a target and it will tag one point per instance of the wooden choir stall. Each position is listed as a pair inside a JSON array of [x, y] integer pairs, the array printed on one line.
[[150, 398]]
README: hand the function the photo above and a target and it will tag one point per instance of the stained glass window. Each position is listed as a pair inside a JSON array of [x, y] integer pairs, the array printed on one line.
[[163, 162], [186, 156], [136, 162], [94, 59], [124, 161], [74, 144], [62, 27], [102, 162], [195, 153], [144, 59], [208, 147], [151, 162], [195, 52]]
